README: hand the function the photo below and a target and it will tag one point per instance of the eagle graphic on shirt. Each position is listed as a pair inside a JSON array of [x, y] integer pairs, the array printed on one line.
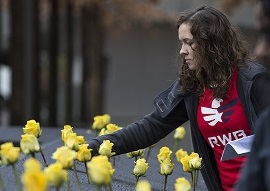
[[218, 112]]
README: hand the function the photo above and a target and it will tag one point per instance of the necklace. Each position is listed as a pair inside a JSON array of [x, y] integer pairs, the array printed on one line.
[[212, 85]]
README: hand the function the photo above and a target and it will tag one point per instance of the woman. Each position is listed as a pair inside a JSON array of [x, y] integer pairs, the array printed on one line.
[[219, 91]]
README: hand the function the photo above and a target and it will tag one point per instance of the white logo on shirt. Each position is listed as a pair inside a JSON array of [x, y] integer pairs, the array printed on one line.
[[224, 139], [212, 115]]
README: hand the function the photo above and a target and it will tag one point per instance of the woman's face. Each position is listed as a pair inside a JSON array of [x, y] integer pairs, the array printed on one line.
[[188, 46]]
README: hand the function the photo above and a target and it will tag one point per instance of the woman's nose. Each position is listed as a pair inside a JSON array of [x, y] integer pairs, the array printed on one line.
[[183, 50]]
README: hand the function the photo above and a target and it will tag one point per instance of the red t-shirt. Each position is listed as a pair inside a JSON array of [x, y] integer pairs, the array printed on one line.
[[219, 122]]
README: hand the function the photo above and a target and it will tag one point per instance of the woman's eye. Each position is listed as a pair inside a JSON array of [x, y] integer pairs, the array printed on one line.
[[189, 43]]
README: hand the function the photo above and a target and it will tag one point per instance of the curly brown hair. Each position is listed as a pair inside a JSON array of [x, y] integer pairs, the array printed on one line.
[[220, 48]]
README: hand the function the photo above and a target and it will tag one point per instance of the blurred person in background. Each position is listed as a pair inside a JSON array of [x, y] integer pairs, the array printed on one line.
[[262, 49], [255, 174], [218, 90]]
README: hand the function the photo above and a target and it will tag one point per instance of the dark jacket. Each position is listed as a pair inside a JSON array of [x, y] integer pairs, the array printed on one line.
[[256, 172], [175, 107]]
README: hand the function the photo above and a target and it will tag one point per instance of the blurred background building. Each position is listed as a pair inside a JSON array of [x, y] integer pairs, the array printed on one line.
[[66, 61]]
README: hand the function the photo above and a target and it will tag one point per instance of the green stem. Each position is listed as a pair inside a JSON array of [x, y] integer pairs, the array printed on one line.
[[98, 188], [194, 174], [193, 180], [176, 143], [110, 187], [85, 165], [77, 178], [33, 155], [2, 185], [165, 183], [137, 179], [196, 178], [17, 179], [148, 153], [44, 159], [68, 184]]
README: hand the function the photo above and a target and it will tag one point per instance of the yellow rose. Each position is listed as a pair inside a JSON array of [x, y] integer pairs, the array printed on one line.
[[102, 132], [138, 153], [194, 155], [100, 121], [9, 154], [179, 133], [70, 140], [34, 181], [32, 127], [195, 162], [65, 156], [164, 153], [106, 148], [166, 167], [84, 153], [65, 132], [32, 164], [140, 167], [143, 185], [191, 162], [80, 140], [110, 128], [29, 144], [56, 175], [73, 141], [182, 184], [185, 164], [100, 170], [180, 154], [33, 177]]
